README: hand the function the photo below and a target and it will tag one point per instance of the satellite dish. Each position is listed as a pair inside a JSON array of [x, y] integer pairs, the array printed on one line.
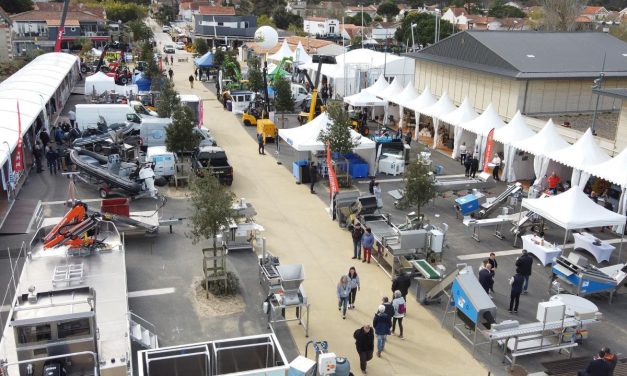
[[266, 37]]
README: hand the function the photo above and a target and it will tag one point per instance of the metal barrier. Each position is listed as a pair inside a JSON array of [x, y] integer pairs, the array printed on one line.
[[15, 264]]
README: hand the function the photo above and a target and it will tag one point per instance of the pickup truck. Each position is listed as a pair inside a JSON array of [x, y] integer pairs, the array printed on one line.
[[214, 160]]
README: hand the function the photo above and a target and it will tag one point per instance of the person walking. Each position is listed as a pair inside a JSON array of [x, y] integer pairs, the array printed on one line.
[[357, 233], [517, 281], [408, 137], [51, 158], [399, 304], [485, 278], [367, 241], [371, 185], [474, 165], [38, 154], [313, 176], [191, 81], [260, 143], [353, 281], [170, 73], [401, 283], [343, 291], [492, 261], [376, 190], [44, 137], [496, 161], [364, 342], [382, 324], [467, 165], [524, 264], [389, 307], [196, 73]]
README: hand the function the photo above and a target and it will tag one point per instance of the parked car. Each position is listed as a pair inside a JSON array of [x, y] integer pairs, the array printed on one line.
[[180, 45], [214, 160], [168, 49], [166, 28]]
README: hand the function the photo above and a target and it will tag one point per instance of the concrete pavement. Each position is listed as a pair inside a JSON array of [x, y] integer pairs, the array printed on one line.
[[298, 230]]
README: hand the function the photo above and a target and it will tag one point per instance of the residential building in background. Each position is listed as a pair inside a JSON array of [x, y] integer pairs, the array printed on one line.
[[320, 26], [6, 48], [221, 27]]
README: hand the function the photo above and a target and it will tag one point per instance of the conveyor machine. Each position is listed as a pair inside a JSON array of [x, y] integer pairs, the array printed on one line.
[[444, 183]]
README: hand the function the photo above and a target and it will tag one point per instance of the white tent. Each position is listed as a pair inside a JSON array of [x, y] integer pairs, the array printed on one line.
[[408, 94], [282, 53], [584, 152], [513, 165], [481, 126], [573, 210], [615, 172], [443, 106], [364, 99], [541, 144], [305, 138], [379, 85], [98, 83], [424, 100], [462, 114], [391, 91], [301, 56]]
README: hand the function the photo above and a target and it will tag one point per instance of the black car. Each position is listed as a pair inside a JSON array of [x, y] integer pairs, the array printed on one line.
[[214, 160]]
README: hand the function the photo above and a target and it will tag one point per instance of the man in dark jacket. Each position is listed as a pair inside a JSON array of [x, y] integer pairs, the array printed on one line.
[[474, 165], [485, 278], [313, 175], [371, 185], [401, 282], [523, 265], [597, 367], [467, 165], [357, 233], [260, 143], [389, 308], [364, 342], [517, 282], [382, 324]]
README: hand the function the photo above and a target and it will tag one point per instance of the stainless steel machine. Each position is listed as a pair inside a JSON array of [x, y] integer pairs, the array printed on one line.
[[242, 233], [444, 183]]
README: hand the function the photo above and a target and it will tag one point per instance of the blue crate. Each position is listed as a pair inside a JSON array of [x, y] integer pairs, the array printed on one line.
[[467, 204], [358, 170]]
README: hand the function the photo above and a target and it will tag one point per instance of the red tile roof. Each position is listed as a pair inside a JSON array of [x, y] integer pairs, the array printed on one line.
[[215, 10], [592, 10], [45, 15], [316, 19], [58, 7]]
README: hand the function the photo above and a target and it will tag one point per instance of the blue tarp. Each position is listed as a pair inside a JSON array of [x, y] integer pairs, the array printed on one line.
[[205, 60]]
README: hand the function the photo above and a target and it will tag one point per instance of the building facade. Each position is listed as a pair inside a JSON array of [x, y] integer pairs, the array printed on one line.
[[6, 48], [321, 26], [224, 30]]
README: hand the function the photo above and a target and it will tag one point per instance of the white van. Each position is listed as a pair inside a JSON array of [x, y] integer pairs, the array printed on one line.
[[152, 132], [164, 161], [299, 93], [195, 104]]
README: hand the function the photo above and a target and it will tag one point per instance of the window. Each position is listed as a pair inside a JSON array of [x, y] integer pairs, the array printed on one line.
[[220, 23], [331, 29], [247, 98], [74, 328], [33, 334], [72, 29]]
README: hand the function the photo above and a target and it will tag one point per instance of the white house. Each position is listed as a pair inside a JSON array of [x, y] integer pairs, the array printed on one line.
[[296, 7], [321, 26], [351, 11], [382, 31], [457, 16]]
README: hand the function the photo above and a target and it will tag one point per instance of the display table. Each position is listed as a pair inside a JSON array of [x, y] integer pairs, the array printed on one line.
[[545, 253], [575, 304], [601, 252]]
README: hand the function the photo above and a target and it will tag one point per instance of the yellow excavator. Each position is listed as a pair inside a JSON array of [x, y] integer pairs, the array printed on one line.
[[315, 108]]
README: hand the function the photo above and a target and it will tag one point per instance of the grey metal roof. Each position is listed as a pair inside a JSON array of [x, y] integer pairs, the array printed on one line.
[[620, 93], [531, 54]]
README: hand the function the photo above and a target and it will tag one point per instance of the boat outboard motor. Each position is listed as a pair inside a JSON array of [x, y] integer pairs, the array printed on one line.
[[113, 164], [147, 176]]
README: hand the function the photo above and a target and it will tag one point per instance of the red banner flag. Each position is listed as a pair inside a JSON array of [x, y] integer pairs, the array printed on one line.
[[333, 185], [19, 160], [488, 150]]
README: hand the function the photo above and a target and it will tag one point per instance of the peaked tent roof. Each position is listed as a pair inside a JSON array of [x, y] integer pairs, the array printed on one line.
[[408, 94], [543, 142], [205, 60], [584, 152], [283, 52], [442, 107], [391, 91], [573, 209], [482, 124], [516, 129], [424, 100], [531, 54], [305, 137], [463, 113], [379, 85], [614, 170], [301, 56], [364, 98]]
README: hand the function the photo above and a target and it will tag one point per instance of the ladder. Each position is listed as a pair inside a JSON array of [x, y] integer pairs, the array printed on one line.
[[142, 332]]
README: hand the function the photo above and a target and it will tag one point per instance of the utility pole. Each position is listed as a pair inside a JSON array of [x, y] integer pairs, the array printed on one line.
[[362, 25], [596, 85]]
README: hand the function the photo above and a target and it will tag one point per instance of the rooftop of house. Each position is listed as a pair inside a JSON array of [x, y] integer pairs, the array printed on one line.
[[531, 54], [58, 7], [316, 19], [193, 5], [369, 8], [51, 16], [4, 16], [458, 11], [210, 10], [594, 10], [310, 44]]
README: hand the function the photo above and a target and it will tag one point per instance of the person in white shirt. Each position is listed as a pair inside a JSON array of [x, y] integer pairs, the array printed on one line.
[[496, 161], [462, 153], [72, 116], [377, 194]]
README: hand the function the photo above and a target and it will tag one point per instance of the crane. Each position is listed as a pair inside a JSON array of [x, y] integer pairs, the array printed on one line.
[[57, 45], [320, 59]]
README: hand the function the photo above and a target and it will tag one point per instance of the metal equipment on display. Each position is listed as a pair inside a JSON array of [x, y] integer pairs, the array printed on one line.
[[574, 275], [243, 231], [346, 204], [469, 203], [325, 364], [444, 183], [497, 222], [491, 204]]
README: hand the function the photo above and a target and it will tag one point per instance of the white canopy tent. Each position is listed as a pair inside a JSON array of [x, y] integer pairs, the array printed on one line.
[[481, 126], [540, 145], [573, 210], [301, 56], [408, 94], [614, 171], [582, 153], [98, 83], [424, 100], [514, 167], [283, 52], [380, 84], [305, 139], [391, 91], [364, 99], [442, 107], [462, 114]]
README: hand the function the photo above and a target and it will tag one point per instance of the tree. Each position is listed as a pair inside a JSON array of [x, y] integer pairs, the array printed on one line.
[[264, 20], [180, 136], [201, 47], [504, 11], [168, 100], [212, 208], [560, 15], [282, 19], [424, 33], [86, 46], [297, 30], [165, 14], [283, 101], [388, 9], [620, 32], [337, 134], [125, 12], [141, 31], [266, 7], [255, 76], [16, 6], [218, 57], [419, 185], [356, 19]]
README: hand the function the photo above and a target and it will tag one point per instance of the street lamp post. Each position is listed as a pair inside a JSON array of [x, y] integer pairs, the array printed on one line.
[[413, 41], [362, 25], [596, 85]]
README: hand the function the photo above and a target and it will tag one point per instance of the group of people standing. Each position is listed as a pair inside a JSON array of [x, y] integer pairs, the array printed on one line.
[[54, 148], [469, 160], [519, 282]]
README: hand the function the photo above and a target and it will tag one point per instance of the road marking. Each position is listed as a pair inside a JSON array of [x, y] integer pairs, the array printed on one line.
[[153, 292]]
